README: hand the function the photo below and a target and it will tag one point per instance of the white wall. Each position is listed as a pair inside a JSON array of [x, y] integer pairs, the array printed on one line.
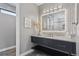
[[26, 10], [18, 29], [7, 28]]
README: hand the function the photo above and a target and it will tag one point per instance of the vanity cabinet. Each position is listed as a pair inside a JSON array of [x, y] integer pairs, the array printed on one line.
[[58, 45]]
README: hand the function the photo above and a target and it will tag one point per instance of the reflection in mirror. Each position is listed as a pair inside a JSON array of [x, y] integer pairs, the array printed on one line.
[[54, 21]]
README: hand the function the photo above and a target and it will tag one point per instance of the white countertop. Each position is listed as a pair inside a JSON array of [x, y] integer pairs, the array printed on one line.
[[59, 38]]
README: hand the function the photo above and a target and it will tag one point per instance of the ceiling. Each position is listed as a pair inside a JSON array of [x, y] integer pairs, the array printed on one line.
[[14, 4], [38, 4]]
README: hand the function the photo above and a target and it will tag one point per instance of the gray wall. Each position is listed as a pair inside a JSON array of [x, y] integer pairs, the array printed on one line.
[[31, 11], [7, 28], [7, 31]]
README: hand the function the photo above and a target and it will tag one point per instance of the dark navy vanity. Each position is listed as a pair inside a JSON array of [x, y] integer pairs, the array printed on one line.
[[58, 45]]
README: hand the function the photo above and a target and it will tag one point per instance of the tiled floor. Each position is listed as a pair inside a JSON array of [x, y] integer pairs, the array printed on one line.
[[11, 52]]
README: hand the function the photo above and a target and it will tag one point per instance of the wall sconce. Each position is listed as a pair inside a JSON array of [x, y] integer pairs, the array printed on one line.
[[37, 26]]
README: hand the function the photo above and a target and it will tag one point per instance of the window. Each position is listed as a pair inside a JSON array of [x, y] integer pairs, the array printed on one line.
[[8, 12]]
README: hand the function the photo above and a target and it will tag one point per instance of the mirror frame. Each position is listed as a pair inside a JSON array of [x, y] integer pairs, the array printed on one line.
[[55, 12]]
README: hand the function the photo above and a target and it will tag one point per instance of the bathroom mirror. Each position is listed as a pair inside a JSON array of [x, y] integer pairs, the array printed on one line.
[[54, 21]]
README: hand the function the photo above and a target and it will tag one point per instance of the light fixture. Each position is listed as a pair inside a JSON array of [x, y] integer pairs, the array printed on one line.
[[47, 10], [60, 5], [54, 8], [44, 11], [51, 9]]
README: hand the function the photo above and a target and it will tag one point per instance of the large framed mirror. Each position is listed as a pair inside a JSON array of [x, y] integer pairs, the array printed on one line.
[[54, 21]]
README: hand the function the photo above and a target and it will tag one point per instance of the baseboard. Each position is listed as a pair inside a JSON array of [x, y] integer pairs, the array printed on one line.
[[1, 50], [31, 50]]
